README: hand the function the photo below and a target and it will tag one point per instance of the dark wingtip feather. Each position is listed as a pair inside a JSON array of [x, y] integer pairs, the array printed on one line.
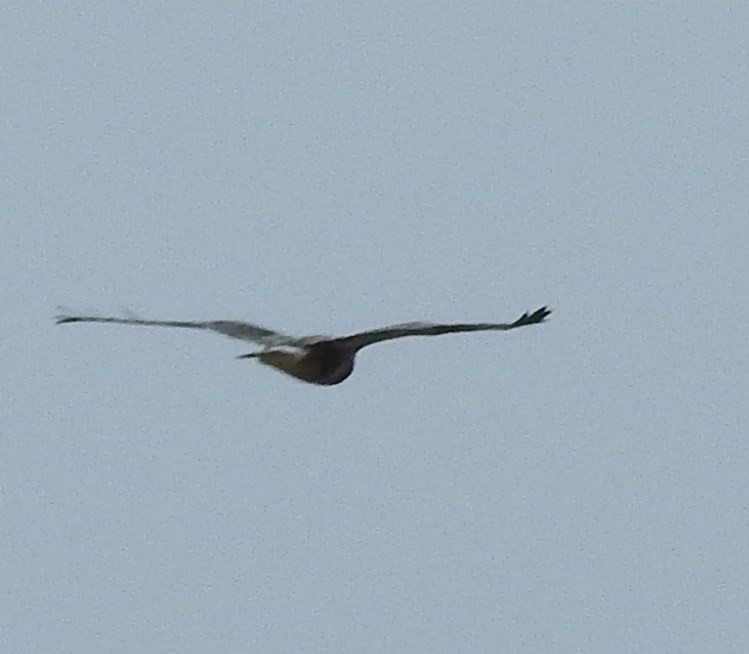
[[539, 315]]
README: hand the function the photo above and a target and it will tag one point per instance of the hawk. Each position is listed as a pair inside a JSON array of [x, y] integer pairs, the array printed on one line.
[[323, 360]]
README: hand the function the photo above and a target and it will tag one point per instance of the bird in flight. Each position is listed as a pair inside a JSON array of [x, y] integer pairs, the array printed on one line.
[[323, 360]]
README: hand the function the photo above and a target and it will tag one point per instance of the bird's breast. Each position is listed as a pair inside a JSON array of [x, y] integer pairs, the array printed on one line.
[[323, 364]]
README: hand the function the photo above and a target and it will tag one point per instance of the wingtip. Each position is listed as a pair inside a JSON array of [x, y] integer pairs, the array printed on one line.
[[538, 316]]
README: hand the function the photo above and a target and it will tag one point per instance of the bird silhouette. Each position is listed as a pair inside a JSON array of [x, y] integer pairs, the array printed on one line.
[[323, 360]]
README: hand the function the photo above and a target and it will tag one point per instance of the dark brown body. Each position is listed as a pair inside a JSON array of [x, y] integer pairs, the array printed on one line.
[[326, 364]]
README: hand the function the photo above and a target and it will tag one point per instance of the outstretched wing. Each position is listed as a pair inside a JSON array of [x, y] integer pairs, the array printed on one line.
[[234, 329], [362, 339]]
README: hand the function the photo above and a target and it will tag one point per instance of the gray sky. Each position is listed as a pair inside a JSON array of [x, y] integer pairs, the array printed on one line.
[[324, 167]]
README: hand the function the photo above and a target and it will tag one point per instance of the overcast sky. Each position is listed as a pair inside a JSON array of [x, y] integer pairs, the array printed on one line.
[[579, 486]]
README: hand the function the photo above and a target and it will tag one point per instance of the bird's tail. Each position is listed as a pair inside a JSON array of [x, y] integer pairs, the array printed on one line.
[[251, 355]]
